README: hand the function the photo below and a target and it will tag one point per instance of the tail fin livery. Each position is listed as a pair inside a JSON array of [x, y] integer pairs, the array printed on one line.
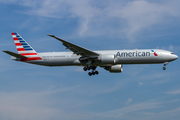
[[23, 47]]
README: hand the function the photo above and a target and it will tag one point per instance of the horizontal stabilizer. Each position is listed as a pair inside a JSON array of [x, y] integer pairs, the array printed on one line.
[[14, 54]]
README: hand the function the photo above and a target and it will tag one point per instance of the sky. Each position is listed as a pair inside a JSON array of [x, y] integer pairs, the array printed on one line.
[[67, 93]]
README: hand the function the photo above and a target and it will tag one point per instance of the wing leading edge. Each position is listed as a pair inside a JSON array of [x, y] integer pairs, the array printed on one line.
[[76, 49]]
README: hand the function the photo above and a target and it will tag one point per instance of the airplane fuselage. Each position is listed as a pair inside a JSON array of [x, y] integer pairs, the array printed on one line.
[[106, 58]]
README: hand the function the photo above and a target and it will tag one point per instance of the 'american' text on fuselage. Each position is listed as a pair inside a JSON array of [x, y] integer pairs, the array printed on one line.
[[132, 54]]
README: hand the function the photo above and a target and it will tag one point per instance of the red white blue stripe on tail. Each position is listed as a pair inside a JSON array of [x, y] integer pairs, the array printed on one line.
[[24, 48]]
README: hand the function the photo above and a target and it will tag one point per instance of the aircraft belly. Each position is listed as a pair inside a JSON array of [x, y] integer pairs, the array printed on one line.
[[62, 62]]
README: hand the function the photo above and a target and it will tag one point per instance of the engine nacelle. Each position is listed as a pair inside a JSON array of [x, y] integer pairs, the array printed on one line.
[[115, 68], [107, 59]]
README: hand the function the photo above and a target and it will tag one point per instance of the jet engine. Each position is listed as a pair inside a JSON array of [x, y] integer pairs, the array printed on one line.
[[114, 68], [107, 59]]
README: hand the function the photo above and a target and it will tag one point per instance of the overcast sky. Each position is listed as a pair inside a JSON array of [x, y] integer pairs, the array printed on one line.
[[31, 92]]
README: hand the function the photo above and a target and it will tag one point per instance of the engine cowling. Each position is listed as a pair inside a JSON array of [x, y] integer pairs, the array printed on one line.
[[114, 68], [107, 59]]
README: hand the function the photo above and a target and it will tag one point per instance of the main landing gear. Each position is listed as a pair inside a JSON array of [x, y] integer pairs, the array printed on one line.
[[94, 72], [164, 67]]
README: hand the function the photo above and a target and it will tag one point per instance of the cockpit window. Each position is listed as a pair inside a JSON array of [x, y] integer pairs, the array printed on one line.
[[172, 53]]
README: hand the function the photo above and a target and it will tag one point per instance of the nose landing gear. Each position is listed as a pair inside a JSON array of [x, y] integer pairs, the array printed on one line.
[[164, 67]]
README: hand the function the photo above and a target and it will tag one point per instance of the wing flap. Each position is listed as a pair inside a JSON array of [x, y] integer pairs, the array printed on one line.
[[14, 54], [75, 48]]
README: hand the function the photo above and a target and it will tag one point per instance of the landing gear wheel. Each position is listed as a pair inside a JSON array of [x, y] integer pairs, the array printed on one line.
[[96, 72], [89, 73], [93, 73], [164, 68], [85, 68]]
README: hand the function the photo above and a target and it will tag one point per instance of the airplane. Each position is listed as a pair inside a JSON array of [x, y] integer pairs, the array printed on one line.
[[110, 60]]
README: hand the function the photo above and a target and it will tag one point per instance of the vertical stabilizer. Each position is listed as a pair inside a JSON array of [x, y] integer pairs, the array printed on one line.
[[23, 47]]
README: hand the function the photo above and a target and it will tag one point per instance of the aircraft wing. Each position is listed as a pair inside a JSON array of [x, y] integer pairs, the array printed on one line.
[[14, 54], [75, 48]]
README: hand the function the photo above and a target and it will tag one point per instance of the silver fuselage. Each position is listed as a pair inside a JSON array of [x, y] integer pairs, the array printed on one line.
[[139, 56]]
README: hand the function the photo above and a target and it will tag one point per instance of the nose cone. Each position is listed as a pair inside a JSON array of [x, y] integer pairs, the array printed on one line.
[[174, 57]]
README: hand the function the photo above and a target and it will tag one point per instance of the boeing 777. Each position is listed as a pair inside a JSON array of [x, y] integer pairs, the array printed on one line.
[[110, 60]]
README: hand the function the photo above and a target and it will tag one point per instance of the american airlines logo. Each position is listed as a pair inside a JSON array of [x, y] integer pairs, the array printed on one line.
[[155, 54], [134, 54]]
